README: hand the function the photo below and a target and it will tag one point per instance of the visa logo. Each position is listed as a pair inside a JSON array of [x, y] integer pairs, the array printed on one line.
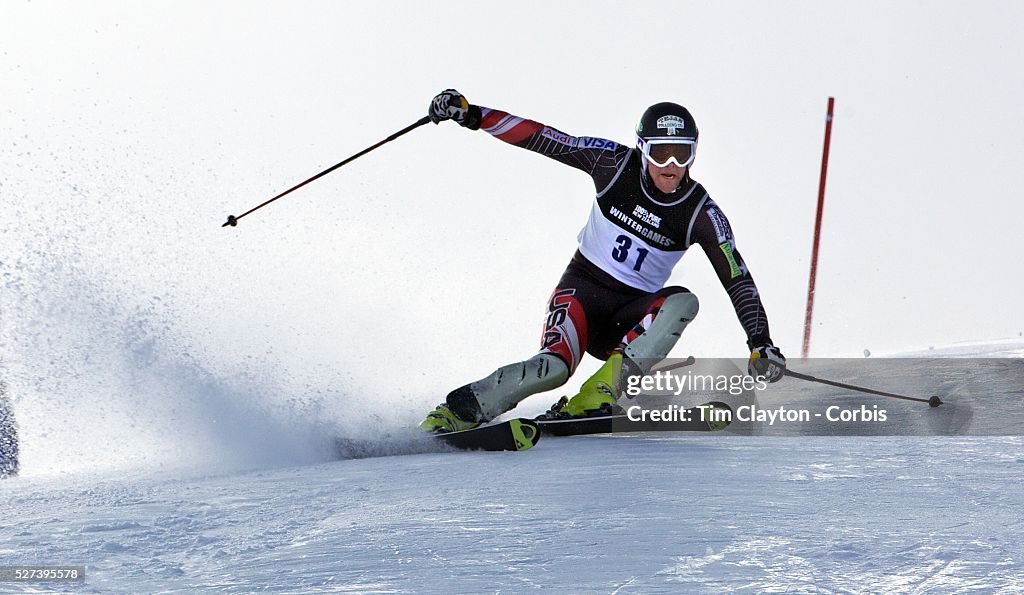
[[589, 142]]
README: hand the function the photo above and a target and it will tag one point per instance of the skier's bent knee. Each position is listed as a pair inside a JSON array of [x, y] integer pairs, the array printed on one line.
[[654, 344]]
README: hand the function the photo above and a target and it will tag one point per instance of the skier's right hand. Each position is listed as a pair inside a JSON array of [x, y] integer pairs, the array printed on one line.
[[451, 105]]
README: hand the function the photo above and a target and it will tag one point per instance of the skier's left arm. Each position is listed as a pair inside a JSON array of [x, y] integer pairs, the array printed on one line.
[[712, 231]]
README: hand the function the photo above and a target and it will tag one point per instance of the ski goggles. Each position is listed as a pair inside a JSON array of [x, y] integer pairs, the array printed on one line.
[[662, 152]]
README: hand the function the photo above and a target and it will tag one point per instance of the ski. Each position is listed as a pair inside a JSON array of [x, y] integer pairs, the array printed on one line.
[[510, 435], [715, 416], [514, 434]]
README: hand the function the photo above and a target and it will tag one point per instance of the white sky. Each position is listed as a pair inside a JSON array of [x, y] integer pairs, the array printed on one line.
[[128, 131]]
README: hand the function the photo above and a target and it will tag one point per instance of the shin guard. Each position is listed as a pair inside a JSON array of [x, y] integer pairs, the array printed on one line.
[[653, 345], [489, 397]]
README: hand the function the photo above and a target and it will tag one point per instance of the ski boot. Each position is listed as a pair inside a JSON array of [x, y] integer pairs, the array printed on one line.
[[596, 397], [442, 420]]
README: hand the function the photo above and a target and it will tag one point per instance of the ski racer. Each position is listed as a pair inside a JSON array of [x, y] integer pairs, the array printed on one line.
[[611, 301]]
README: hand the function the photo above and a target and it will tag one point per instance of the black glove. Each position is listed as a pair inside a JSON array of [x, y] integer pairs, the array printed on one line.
[[766, 361], [451, 105]]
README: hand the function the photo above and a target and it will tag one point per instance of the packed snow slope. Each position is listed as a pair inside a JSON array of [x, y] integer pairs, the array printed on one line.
[[620, 513], [590, 514]]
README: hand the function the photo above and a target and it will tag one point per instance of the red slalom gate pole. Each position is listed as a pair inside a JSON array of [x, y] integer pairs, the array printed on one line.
[[817, 231]]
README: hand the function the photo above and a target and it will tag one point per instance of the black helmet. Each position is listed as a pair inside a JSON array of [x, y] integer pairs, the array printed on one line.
[[667, 120], [668, 124]]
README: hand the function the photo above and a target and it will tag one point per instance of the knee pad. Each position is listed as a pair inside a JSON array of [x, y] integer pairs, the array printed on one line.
[[653, 345], [489, 397]]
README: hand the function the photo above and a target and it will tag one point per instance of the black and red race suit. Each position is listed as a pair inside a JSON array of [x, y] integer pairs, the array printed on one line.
[[632, 240]]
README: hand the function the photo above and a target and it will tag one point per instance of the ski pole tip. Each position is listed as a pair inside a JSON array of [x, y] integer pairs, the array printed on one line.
[[935, 401], [232, 221]]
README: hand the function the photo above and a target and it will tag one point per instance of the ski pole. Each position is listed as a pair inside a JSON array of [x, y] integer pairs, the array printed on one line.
[[935, 401], [686, 362], [233, 220]]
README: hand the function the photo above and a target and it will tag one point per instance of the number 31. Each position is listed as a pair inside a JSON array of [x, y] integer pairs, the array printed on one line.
[[621, 252]]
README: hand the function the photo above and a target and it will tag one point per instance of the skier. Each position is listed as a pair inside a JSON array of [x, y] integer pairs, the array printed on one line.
[[611, 301]]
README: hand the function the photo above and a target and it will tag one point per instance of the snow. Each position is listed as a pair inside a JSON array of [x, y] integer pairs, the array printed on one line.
[[621, 513], [640, 514]]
